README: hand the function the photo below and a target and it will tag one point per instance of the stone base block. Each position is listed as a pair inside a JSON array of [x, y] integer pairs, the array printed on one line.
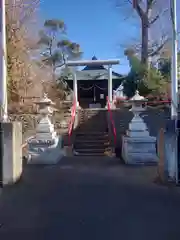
[[112, 105], [50, 155], [170, 153], [12, 160], [68, 151], [136, 150]]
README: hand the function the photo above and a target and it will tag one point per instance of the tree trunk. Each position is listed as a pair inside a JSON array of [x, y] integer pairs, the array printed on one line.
[[144, 37]]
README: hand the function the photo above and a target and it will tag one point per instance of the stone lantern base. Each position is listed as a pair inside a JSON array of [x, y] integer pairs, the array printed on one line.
[[45, 151], [139, 150]]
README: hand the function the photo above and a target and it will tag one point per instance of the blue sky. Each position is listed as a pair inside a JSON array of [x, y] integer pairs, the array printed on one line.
[[96, 25]]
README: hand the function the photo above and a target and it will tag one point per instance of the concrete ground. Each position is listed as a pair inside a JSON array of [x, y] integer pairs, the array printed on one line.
[[89, 199]]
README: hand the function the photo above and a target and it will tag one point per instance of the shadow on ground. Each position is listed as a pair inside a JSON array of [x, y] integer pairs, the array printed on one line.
[[89, 198]]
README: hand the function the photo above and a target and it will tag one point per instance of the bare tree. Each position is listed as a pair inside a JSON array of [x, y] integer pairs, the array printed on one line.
[[154, 22]]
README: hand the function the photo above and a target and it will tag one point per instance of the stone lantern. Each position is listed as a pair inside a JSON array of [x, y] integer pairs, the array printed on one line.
[[137, 126], [46, 146], [137, 145], [45, 129]]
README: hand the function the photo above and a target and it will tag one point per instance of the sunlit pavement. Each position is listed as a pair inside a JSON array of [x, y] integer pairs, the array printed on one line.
[[89, 199]]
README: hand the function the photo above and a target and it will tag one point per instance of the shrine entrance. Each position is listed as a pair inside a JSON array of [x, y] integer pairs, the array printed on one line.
[[94, 83], [92, 94]]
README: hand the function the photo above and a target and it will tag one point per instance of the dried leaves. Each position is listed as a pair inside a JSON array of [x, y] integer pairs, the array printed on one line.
[[21, 69]]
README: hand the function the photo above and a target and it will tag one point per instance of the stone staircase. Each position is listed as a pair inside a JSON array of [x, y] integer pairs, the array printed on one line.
[[91, 138]]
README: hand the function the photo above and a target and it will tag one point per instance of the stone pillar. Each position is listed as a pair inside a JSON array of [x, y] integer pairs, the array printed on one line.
[[178, 152], [75, 88], [12, 159], [110, 95], [170, 151]]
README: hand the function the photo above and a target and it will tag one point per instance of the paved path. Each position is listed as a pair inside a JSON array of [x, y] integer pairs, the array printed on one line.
[[89, 200]]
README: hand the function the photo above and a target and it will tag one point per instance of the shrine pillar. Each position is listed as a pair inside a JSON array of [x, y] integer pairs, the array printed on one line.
[[75, 88], [110, 95]]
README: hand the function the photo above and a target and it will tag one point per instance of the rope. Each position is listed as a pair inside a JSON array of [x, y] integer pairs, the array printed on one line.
[[100, 87], [86, 89]]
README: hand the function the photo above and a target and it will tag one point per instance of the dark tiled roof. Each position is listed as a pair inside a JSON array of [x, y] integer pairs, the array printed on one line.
[[98, 67], [95, 67]]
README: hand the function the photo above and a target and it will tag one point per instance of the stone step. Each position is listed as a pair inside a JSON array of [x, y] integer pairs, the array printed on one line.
[[91, 154], [91, 140], [101, 128], [91, 144], [92, 115], [83, 154], [85, 127], [93, 122], [91, 147], [92, 133], [88, 150], [90, 112]]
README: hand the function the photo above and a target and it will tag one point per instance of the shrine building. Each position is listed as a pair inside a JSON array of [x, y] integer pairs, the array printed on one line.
[[92, 85]]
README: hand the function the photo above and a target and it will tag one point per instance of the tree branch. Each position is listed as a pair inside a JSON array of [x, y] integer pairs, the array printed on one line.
[[157, 17], [154, 20], [159, 48], [139, 10]]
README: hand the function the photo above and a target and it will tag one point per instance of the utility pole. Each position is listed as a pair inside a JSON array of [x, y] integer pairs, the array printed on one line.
[[3, 83], [174, 66], [174, 84]]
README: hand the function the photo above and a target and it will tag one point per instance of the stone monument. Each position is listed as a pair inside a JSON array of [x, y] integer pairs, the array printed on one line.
[[119, 97], [46, 146], [119, 92], [137, 146]]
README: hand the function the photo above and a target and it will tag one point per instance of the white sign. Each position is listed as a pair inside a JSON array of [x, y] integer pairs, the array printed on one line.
[[102, 96]]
